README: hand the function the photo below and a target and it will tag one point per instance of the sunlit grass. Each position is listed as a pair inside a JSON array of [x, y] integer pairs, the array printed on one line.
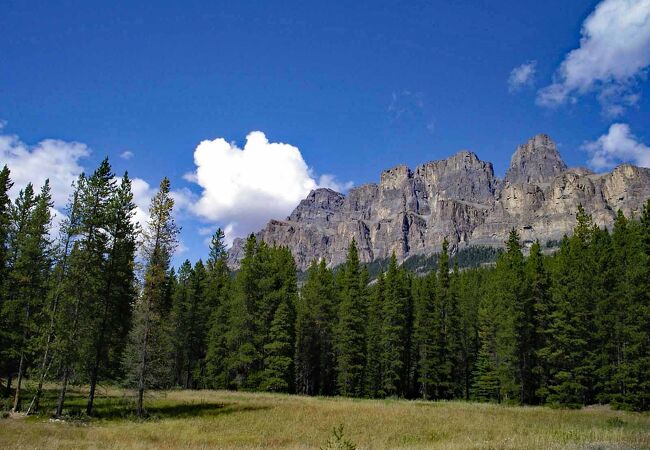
[[220, 419]]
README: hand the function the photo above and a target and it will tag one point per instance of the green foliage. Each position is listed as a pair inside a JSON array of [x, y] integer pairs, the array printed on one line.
[[338, 441], [316, 315], [350, 334]]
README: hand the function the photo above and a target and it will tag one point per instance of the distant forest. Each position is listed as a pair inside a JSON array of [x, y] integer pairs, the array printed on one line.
[[101, 304]]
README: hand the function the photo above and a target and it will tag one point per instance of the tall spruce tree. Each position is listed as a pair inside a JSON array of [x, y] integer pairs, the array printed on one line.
[[537, 277], [425, 335], [350, 337], [5, 222], [570, 345], [53, 343], [315, 318], [111, 312], [394, 329], [218, 300], [374, 353], [146, 359], [30, 266]]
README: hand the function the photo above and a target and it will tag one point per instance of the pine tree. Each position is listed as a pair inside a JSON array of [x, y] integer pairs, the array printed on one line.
[[425, 335], [86, 293], [471, 289], [146, 358], [110, 313], [244, 358], [218, 300], [315, 316], [30, 266], [350, 337], [53, 343], [374, 354], [278, 361], [5, 222], [182, 300], [570, 347], [394, 328], [537, 277]]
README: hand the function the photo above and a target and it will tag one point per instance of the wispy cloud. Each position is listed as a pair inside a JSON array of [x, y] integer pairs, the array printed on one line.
[[127, 154], [522, 76], [613, 56]]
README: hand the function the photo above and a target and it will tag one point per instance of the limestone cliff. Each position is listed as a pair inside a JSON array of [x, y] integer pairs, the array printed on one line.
[[411, 212]]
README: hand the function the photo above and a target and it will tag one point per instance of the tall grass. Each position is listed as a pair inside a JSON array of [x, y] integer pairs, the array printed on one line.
[[220, 419]]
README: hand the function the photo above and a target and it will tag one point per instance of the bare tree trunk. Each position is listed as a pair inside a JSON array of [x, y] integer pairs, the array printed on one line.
[[8, 386], [16, 406], [66, 369], [143, 367], [64, 388], [45, 365]]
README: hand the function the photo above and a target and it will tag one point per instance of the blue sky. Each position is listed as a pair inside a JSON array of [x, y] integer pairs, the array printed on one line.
[[353, 87]]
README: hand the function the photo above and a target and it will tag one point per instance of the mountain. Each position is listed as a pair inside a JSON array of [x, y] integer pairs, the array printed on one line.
[[410, 212]]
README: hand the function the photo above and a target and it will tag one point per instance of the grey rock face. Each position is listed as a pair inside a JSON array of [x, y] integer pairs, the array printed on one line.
[[536, 161], [411, 212]]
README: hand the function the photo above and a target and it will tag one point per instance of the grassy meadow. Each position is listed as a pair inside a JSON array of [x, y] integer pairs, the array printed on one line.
[[221, 419]]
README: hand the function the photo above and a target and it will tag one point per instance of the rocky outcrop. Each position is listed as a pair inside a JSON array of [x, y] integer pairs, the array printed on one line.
[[411, 212]]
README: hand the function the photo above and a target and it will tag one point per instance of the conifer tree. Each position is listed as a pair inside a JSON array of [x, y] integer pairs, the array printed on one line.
[[425, 335], [316, 316], [218, 300], [570, 344], [146, 358], [374, 353], [471, 288], [5, 222], [52, 337], [350, 338], [278, 360], [244, 358], [112, 310], [182, 300], [394, 328], [30, 265], [539, 300]]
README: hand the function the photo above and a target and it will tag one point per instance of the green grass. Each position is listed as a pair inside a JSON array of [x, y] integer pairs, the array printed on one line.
[[220, 419]]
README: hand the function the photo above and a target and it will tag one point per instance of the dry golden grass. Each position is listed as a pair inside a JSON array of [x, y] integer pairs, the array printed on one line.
[[219, 419]]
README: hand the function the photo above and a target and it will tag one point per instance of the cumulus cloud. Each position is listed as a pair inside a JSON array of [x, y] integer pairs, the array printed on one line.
[[242, 188], [522, 76], [51, 158], [618, 145], [127, 154], [613, 56], [61, 163]]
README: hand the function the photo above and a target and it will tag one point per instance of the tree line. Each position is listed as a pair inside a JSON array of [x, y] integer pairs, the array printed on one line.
[[102, 304]]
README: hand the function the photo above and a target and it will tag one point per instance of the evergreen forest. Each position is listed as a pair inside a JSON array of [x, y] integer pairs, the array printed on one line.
[[98, 302]]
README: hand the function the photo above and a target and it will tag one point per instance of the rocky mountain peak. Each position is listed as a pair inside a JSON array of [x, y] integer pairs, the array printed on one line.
[[536, 161], [458, 198], [320, 204]]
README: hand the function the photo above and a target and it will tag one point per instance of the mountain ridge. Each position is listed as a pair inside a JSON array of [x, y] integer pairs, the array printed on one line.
[[410, 212]]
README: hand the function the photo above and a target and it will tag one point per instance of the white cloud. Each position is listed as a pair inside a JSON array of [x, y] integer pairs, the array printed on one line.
[[244, 188], [613, 55], [54, 159], [127, 154], [522, 76], [329, 181], [618, 145]]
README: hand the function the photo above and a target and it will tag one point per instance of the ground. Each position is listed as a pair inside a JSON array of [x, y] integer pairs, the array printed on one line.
[[220, 419]]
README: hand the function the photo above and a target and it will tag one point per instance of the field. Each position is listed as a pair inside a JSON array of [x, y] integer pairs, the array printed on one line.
[[220, 419]]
